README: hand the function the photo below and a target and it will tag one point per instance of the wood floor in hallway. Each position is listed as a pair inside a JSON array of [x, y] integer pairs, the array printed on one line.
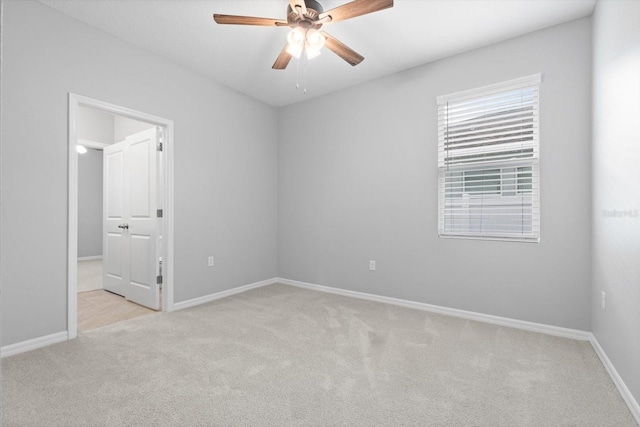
[[101, 308], [97, 307]]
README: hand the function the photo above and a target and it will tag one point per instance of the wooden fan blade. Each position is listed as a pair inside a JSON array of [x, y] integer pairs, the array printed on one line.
[[342, 50], [356, 8], [283, 59], [248, 20], [300, 4]]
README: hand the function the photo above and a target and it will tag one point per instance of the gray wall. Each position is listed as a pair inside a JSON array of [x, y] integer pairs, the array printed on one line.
[[90, 203], [94, 125], [616, 185], [361, 184], [225, 164]]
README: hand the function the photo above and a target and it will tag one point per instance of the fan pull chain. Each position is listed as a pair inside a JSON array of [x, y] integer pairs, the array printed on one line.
[[304, 61], [298, 74], [304, 76]]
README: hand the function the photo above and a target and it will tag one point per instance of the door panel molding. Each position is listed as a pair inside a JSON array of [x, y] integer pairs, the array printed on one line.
[[140, 250], [115, 212]]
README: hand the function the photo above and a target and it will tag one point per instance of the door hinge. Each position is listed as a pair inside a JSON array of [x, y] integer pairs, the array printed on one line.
[[159, 277], [159, 146], [159, 213]]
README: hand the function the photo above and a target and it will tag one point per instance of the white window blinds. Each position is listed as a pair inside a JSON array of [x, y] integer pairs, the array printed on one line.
[[489, 181]]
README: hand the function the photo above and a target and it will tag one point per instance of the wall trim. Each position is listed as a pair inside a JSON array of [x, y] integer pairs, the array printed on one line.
[[32, 344], [576, 334], [470, 315], [631, 402], [89, 258], [634, 407], [222, 294], [76, 101]]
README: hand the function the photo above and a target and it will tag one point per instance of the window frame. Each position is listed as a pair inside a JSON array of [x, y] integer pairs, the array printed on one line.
[[526, 170]]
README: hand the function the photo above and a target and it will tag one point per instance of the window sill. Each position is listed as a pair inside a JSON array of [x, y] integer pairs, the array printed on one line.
[[491, 238]]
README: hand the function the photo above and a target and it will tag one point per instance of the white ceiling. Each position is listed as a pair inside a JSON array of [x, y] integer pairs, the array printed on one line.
[[411, 33]]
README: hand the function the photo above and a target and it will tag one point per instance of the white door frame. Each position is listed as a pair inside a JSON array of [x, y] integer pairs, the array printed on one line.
[[76, 101]]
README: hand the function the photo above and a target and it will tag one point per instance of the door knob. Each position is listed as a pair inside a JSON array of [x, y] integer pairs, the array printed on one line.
[[123, 226]]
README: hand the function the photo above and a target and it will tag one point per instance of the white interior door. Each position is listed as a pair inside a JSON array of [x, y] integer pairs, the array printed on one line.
[[130, 224], [114, 245], [142, 287]]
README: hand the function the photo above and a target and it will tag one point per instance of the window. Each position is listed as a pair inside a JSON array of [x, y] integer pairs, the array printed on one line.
[[489, 185]]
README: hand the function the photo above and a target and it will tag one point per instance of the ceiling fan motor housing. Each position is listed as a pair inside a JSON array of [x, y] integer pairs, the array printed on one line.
[[306, 17], [307, 20]]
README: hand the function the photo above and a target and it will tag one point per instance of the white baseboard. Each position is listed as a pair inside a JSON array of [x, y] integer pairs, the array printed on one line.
[[502, 321], [632, 403], [21, 347], [222, 294], [89, 258], [470, 315], [32, 344]]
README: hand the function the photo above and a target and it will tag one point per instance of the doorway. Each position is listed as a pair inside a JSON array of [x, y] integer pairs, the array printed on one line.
[[133, 253]]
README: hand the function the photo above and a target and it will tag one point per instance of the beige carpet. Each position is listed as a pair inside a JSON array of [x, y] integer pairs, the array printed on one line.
[[280, 356]]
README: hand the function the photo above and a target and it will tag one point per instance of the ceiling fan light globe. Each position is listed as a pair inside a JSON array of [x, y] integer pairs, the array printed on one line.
[[295, 50], [312, 53], [296, 36], [315, 39]]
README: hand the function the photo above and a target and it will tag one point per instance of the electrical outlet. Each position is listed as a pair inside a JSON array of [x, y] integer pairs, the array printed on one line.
[[372, 265], [603, 301], [210, 261]]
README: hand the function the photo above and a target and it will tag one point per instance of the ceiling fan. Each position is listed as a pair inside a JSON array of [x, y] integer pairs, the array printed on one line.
[[306, 17]]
